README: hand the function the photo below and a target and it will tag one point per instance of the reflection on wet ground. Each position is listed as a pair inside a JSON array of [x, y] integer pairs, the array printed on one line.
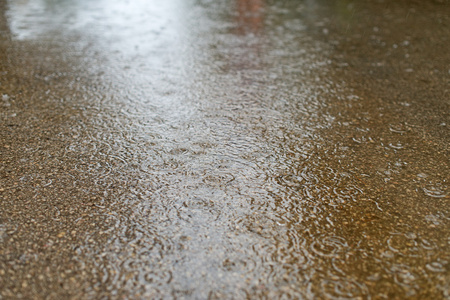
[[227, 149]]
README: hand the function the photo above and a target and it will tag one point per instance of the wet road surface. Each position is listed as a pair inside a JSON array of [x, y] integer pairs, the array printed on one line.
[[224, 149]]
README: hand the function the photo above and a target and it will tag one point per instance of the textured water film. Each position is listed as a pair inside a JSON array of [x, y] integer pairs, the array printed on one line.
[[224, 149]]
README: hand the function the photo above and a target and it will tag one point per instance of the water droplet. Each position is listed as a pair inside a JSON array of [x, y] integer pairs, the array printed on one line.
[[436, 191], [396, 146], [435, 267], [399, 128], [343, 288], [403, 276], [328, 246]]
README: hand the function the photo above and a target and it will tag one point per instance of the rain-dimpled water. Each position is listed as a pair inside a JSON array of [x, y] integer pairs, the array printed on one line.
[[236, 149]]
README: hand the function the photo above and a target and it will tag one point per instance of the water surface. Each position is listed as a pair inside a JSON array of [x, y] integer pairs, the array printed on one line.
[[224, 149]]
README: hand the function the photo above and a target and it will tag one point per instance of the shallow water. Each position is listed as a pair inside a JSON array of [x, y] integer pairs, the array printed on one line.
[[233, 149]]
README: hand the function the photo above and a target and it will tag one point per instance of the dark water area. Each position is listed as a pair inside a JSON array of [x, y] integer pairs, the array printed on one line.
[[224, 149]]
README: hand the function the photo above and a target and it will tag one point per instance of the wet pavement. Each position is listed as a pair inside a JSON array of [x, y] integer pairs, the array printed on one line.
[[224, 149]]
